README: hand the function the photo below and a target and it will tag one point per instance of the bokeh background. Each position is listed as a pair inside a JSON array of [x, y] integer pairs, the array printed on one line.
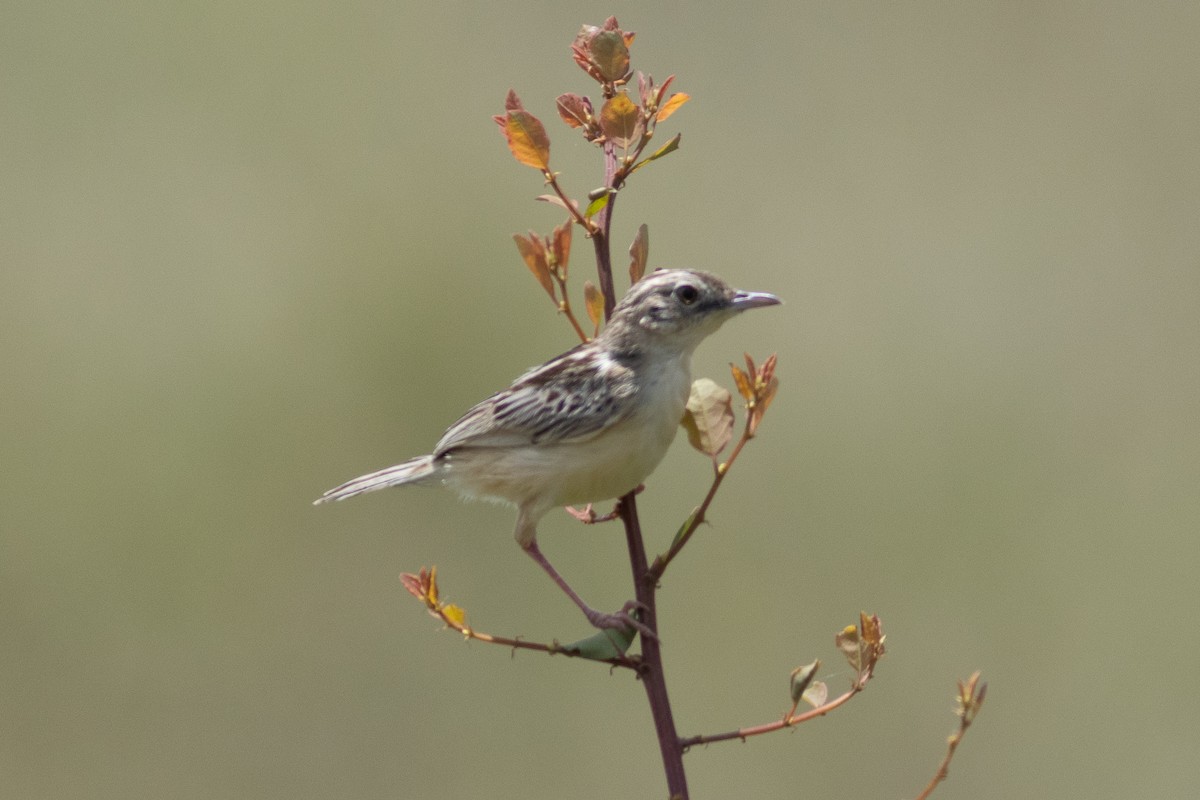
[[253, 249]]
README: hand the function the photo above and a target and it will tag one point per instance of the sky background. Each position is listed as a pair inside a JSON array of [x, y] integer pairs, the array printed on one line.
[[251, 250]]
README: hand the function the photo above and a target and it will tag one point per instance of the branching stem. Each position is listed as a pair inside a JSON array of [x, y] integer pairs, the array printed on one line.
[[719, 472], [652, 676]]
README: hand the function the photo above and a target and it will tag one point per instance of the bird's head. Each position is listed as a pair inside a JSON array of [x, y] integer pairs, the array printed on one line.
[[680, 307]]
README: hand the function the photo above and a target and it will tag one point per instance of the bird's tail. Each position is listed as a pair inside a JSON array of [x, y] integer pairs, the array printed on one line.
[[415, 470]]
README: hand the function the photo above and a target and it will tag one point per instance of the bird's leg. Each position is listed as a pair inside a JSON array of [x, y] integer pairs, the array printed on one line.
[[622, 619]]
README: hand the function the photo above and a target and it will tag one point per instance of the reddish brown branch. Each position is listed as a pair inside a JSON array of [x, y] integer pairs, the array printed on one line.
[[789, 721]]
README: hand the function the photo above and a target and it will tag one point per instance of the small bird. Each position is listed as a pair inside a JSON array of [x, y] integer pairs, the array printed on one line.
[[586, 426]]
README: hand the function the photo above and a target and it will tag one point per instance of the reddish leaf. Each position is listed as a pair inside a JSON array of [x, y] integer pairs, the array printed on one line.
[[621, 121], [645, 88], [744, 385], [662, 90], [603, 52], [512, 102], [534, 253], [561, 243], [583, 39], [672, 105], [574, 109], [609, 54], [413, 584], [526, 135], [639, 252], [750, 370], [593, 300], [770, 384], [555, 200]]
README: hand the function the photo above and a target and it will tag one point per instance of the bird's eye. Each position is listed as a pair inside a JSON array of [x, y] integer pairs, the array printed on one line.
[[687, 294]]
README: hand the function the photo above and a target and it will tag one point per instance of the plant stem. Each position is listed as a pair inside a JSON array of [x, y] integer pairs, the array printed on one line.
[[601, 240], [645, 586], [651, 669]]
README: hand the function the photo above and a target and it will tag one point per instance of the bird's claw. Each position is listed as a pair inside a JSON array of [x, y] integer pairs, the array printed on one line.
[[586, 515], [623, 619]]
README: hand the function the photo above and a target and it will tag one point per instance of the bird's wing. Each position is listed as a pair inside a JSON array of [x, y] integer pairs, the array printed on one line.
[[571, 398]]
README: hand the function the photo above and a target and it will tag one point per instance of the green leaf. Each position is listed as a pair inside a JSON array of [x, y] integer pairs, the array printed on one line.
[[687, 523], [604, 644], [669, 147], [596, 205], [801, 678]]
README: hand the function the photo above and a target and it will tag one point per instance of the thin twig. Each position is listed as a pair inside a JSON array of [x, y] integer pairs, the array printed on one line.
[[970, 698], [423, 586], [564, 306], [584, 222], [789, 721], [719, 472], [553, 648]]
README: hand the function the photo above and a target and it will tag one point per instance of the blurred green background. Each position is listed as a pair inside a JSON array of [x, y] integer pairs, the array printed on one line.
[[253, 249]]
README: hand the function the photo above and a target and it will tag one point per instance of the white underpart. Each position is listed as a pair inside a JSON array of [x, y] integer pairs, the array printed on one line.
[[583, 470]]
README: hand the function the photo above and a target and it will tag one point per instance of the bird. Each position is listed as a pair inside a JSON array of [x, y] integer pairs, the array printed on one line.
[[588, 425]]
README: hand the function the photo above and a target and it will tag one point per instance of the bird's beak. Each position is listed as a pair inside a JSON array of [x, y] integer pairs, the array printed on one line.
[[746, 300]]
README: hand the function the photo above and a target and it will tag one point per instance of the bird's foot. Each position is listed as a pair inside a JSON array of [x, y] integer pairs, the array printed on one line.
[[588, 516], [623, 619]]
